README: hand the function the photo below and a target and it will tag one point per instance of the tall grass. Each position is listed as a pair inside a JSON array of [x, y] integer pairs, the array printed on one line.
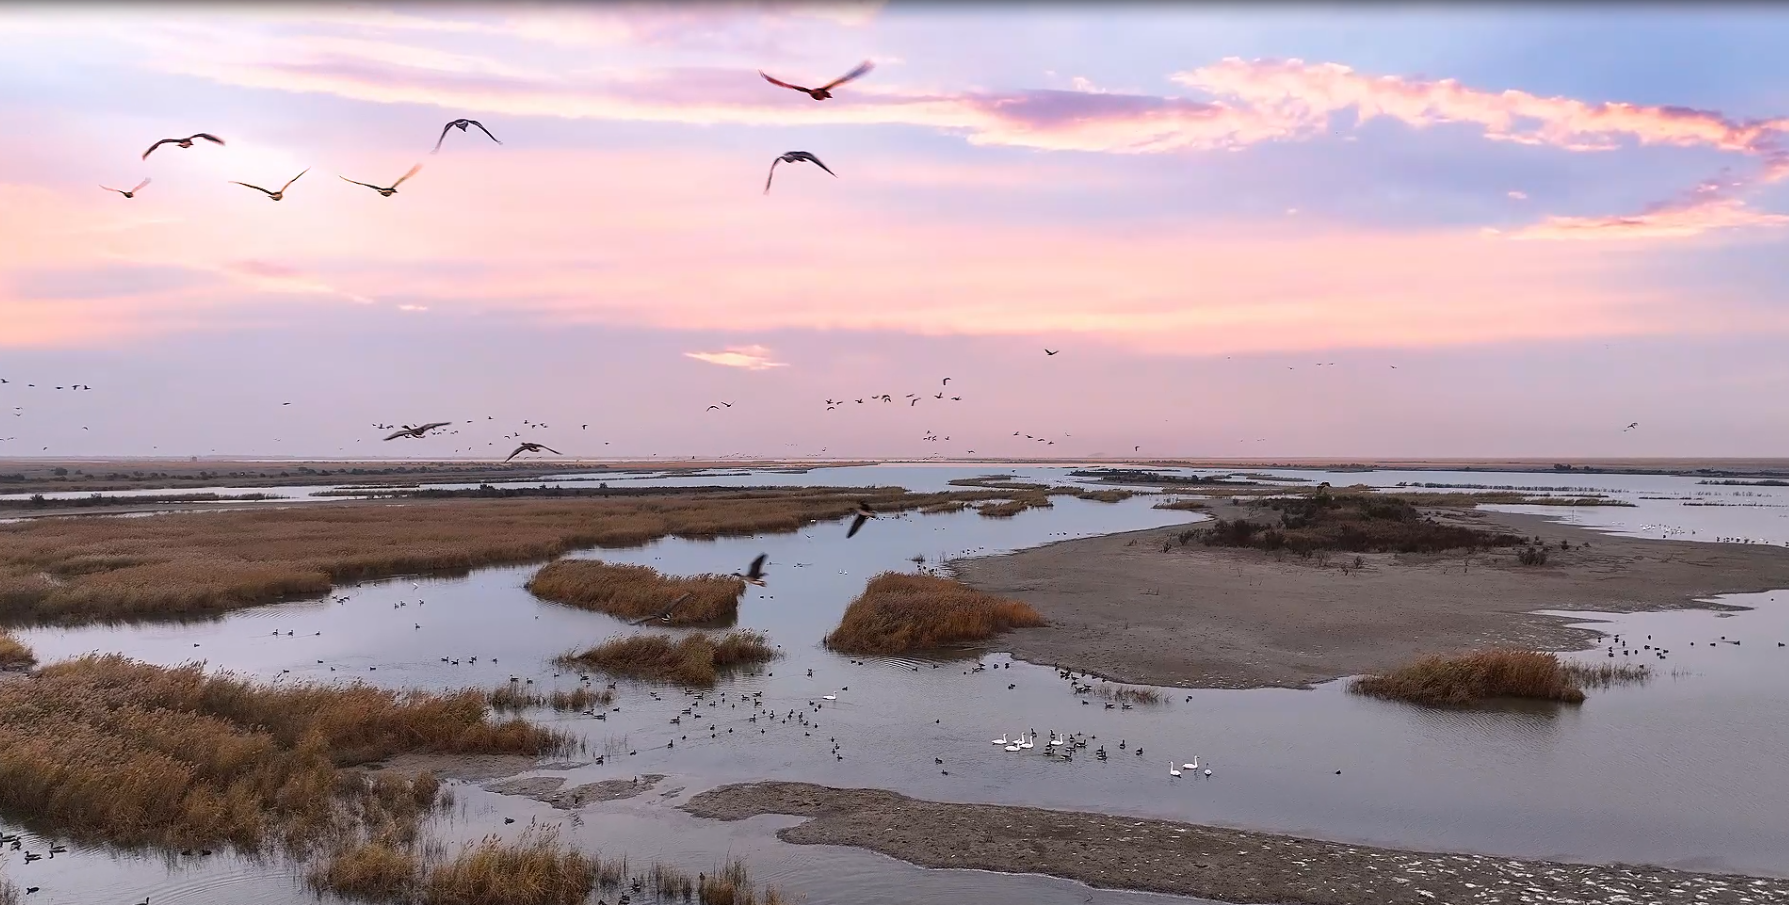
[[537, 869], [1019, 503], [731, 884], [697, 660], [1606, 675], [514, 697], [1104, 496], [1350, 522], [174, 566], [898, 612], [636, 592], [1494, 673], [1126, 694], [107, 749], [9, 894], [1182, 503], [14, 654]]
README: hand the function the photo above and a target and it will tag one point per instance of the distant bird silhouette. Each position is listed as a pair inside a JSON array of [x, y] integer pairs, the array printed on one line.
[[824, 91], [186, 142], [1631, 427], [419, 430], [663, 616], [864, 514], [386, 191], [794, 157], [1051, 352], [532, 447], [130, 194], [754, 574], [274, 195], [461, 124]]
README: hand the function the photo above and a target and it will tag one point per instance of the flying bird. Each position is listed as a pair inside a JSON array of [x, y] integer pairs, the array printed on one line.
[[825, 91], [532, 447], [794, 157], [664, 616], [387, 191], [1050, 352], [186, 142], [461, 124], [419, 430], [864, 514], [274, 195], [755, 573], [1631, 427], [130, 194]]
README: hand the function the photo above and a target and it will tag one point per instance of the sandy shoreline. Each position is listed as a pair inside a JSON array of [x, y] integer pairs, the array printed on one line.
[[1205, 617], [1193, 860]]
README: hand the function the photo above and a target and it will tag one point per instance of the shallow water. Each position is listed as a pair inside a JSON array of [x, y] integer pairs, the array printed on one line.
[[1683, 771]]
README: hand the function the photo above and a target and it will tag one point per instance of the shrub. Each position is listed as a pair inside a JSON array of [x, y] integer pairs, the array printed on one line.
[[899, 612]]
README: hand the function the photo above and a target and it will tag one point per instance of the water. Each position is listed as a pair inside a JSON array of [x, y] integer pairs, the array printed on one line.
[[1683, 771]]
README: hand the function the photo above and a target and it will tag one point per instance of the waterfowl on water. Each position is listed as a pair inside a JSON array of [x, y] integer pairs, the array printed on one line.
[[186, 142], [1173, 770], [461, 124], [795, 157], [386, 191], [130, 194], [824, 91], [273, 195]]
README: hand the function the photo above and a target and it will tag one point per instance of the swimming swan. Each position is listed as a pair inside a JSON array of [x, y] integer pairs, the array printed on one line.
[[1001, 740], [1173, 770]]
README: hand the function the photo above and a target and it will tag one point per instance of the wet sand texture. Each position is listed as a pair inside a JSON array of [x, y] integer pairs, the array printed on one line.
[[1209, 617], [1192, 860]]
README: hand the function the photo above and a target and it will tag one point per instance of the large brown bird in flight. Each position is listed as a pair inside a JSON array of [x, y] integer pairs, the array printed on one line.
[[386, 191], [274, 195], [461, 124], [532, 447], [824, 91], [130, 194], [795, 157], [419, 430], [186, 142]]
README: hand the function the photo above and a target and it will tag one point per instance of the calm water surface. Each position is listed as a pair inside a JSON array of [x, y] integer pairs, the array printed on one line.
[[1684, 771]]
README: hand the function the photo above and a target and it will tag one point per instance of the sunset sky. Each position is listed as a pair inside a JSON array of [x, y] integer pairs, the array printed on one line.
[[1386, 230]]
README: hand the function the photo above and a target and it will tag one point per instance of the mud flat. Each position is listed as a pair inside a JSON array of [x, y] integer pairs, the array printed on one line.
[[551, 789], [1210, 862], [1213, 617]]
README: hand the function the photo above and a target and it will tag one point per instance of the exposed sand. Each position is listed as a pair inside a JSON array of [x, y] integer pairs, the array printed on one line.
[[1200, 616], [468, 767], [1193, 860], [550, 789]]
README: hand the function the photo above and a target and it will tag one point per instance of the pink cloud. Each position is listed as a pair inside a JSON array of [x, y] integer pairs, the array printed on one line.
[[750, 358], [1664, 223]]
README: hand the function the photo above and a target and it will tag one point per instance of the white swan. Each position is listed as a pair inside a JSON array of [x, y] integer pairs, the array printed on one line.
[[1192, 766], [1027, 743], [1013, 747], [1173, 770], [1001, 740]]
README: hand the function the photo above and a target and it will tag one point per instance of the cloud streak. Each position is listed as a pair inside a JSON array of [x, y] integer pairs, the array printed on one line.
[[749, 358]]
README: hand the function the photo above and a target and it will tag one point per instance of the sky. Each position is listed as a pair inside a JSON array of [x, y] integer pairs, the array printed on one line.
[[1378, 230]]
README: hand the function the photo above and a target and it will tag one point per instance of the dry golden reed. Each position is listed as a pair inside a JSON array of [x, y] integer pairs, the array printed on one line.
[[9, 894], [187, 565], [1126, 694], [1016, 505], [109, 749], [900, 612], [536, 869], [636, 592], [1476, 676], [516, 696], [14, 654], [697, 660]]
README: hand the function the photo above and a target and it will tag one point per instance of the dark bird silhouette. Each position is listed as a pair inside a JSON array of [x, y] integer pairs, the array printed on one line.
[[864, 514], [794, 157], [824, 91], [1631, 427], [1051, 351], [754, 574], [663, 616], [130, 194], [419, 430], [532, 447], [186, 142], [461, 124], [386, 191], [274, 195]]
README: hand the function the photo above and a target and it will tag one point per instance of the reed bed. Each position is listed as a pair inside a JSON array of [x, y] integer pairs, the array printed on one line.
[[9, 894], [14, 654], [1019, 503], [637, 592], [693, 660], [899, 612], [1184, 503], [1349, 522], [192, 565], [1476, 676], [669, 882], [1127, 694], [1104, 496], [103, 748], [537, 869], [731, 884], [1608, 675], [517, 697]]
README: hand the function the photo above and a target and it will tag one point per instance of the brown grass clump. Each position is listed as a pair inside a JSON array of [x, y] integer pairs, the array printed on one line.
[[14, 654], [1184, 503], [1104, 496], [898, 613], [515, 696], [636, 592], [1125, 694], [1495, 673], [697, 659], [174, 566], [1350, 522], [731, 884], [1019, 503], [376, 871], [108, 749], [669, 882], [536, 869], [1606, 675]]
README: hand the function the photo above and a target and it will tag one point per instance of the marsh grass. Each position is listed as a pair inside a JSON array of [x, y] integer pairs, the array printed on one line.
[[1184, 503], [693, 660], [536, 869], [1485, 674], [669, 882], [190, 565], [1608, 675], [899, 612], [103, 748], [1350, 522], [731, 884], [14, 654], [516, 697], [1104, 496], [636, 592], [9, 894], [1019, 503], [1126, 694]]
